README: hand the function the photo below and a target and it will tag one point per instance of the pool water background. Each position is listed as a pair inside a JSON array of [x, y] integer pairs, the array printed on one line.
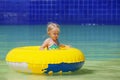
[[97, 42], [100, 45]]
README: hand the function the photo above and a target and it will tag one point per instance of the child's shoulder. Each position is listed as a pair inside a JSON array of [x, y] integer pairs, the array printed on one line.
[[47, 40]]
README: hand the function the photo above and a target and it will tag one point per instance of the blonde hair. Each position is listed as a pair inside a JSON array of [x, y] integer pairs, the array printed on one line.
[[51, 26]]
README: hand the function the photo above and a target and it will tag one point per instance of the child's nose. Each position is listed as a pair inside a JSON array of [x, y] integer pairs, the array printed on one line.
[[56, 34]]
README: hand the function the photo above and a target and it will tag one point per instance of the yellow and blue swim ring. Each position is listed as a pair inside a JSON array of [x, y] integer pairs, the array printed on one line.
[[31, 59]]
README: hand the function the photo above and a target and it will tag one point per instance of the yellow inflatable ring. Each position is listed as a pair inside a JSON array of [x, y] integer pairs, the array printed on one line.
[[32, 60]]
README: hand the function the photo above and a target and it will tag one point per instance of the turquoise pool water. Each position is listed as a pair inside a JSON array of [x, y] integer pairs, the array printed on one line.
[[100, 45], [97, 42]]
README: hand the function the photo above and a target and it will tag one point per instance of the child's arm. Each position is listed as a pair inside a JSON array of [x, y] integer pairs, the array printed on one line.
[[45, 44]]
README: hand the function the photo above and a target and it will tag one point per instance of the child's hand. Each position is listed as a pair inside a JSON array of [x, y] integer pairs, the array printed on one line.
[[62, 46], [68, 46]]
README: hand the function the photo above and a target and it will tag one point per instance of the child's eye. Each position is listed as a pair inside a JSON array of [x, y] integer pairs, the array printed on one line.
[[56, 34]]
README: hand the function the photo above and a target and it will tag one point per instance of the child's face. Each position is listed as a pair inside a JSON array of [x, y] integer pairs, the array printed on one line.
[[54, 33]]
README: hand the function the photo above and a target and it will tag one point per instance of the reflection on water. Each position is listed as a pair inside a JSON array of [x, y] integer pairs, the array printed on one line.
[[8, 74], [23, 76], [97, 70]]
